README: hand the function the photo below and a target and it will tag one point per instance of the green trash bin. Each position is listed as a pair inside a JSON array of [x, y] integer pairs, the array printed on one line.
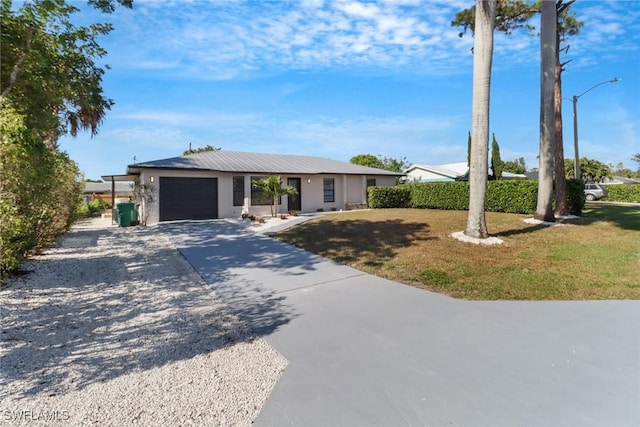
[[127, 214]]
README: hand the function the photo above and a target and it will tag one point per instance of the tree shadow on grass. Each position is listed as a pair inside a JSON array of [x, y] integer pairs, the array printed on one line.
[[519, 231], [85, 316], [370, 242], [626, 217]]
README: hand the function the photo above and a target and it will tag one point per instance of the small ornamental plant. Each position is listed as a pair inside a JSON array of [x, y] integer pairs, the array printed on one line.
[[271, 189]]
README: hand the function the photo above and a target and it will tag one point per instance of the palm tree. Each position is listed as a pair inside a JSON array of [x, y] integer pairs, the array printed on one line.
[[485, 18], [515, 14], [271, 189], [548, 45], [567, 26]]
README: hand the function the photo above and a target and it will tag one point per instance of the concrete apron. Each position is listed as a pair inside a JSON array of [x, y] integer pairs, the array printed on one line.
[[367, 351]]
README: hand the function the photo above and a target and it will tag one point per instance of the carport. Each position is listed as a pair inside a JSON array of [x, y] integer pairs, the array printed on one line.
[[132, 178]]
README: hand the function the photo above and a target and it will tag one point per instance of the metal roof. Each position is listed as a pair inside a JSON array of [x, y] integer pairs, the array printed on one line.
[[105, 187], [450, 170], [120, 178], [242, 162], [459, 170]]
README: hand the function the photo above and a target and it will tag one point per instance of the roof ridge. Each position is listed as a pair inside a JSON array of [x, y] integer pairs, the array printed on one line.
[[265, 163]]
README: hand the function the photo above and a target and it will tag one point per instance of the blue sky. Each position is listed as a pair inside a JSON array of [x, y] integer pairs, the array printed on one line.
[[337, 79]]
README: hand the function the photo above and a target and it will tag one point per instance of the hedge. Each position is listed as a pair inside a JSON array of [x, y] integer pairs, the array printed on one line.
[[440, 195], [389, 197], [39, 191], [502, 196], [623, 193]]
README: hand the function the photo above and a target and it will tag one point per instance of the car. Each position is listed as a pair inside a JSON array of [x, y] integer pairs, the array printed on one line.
[[595, 192]]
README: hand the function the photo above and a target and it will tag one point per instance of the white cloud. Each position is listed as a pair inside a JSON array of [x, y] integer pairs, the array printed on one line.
[[417, 138], [361, 10], [228, 39], [213, 40], [610, 32], [189, 119]]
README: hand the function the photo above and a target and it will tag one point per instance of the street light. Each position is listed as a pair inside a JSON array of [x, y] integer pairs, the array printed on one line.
[[577, 174]]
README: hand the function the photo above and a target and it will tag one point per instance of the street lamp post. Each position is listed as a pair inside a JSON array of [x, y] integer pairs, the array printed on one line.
[[577, 174]]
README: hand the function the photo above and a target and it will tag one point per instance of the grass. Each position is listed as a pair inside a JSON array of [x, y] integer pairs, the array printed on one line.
[[594, 257]]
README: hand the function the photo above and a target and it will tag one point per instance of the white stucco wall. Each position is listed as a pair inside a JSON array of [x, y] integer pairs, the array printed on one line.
[[356, 189], [384, 181]]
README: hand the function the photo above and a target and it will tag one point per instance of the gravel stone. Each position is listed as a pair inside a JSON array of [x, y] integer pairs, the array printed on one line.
[[113, 327]]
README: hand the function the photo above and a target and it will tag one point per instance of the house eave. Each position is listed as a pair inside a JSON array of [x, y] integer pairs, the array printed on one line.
[[136, 170], [129, 177]]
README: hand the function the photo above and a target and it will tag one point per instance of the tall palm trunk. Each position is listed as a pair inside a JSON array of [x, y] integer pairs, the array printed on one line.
[[548, 30], [478, 167], [562, 208], [560, 179]]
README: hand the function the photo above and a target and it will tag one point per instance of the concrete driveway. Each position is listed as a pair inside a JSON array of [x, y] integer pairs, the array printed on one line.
[[367, 351]]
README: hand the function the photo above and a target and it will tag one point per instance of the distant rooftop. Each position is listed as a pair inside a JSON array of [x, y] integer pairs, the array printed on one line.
[[458, 170], [105, 187], [451, 170]]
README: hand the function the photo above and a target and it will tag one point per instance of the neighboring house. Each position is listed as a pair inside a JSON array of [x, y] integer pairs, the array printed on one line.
[[448, 172], [217, 184], [102, 191], [438, 173]]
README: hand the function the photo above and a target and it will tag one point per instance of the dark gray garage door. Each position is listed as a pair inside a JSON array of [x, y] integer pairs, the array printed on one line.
[[188, 198]]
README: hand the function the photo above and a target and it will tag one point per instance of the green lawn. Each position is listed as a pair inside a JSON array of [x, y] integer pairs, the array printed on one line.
[[594, 257]]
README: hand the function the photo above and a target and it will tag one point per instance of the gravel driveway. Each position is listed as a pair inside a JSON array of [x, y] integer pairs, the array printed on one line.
[[114, 327]]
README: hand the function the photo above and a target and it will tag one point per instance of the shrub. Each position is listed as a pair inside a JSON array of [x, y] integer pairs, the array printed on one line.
[[83, 211], [17, 237], [389, 197], [623, 193], [575, 196], [39, 188], [91, 209]]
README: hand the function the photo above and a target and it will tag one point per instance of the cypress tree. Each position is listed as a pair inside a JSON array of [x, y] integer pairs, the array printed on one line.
[[496, 162]]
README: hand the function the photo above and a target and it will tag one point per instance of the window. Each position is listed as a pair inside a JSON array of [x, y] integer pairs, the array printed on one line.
[[329, 190], [256, 195], [238, 190]]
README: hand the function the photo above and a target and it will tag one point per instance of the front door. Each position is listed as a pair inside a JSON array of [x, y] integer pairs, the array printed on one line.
[[294, 203]]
